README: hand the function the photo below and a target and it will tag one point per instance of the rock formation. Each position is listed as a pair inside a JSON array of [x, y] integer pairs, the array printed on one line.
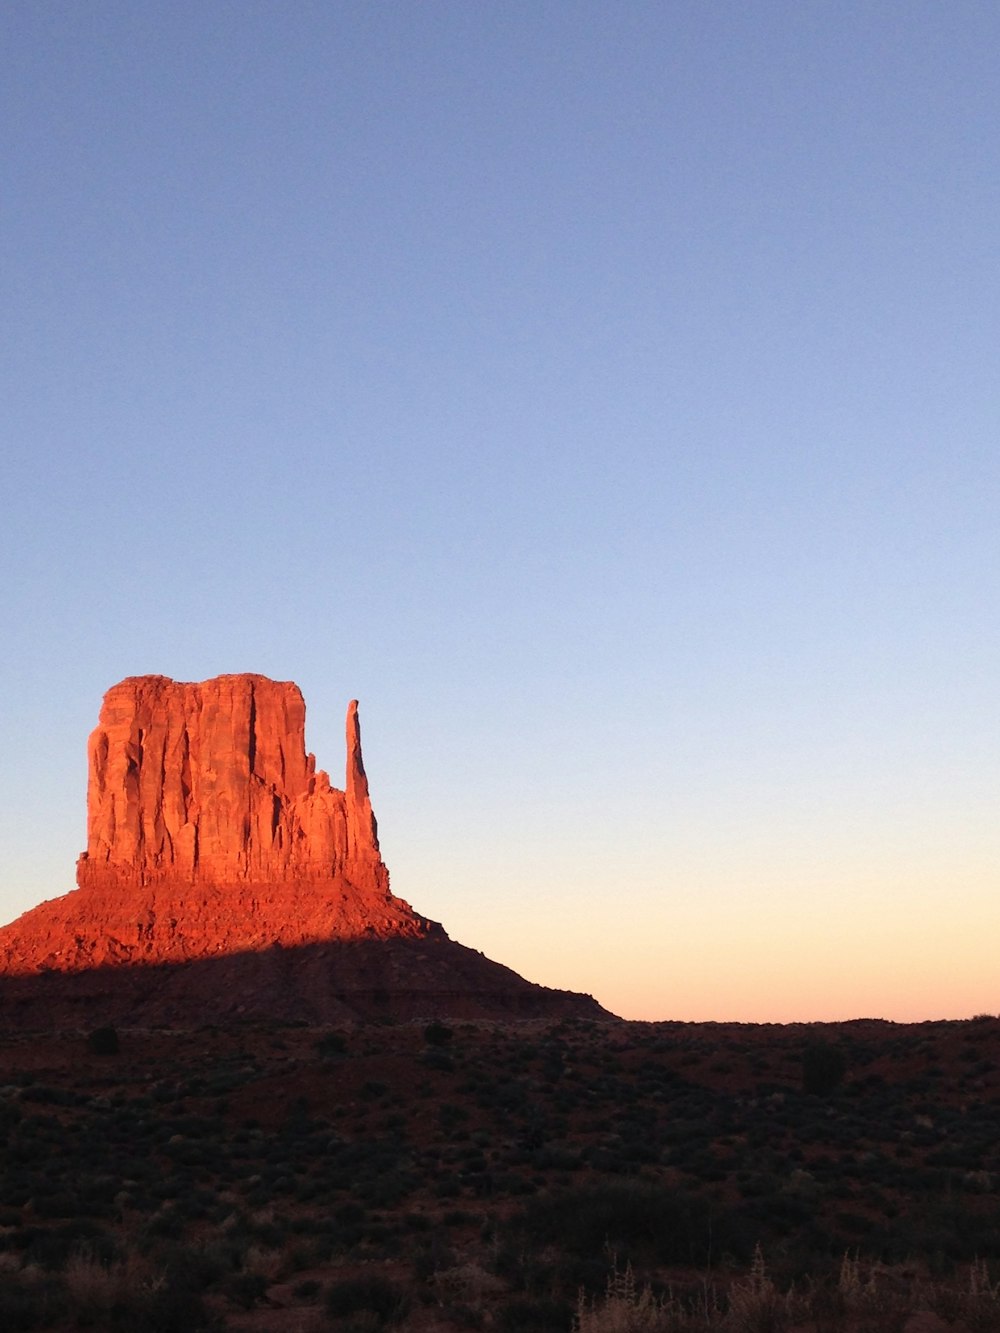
[[211, 784], [210, 831], [216, 847]]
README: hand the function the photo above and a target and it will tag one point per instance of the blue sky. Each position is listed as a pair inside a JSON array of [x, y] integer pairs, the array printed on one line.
[[605, 394]]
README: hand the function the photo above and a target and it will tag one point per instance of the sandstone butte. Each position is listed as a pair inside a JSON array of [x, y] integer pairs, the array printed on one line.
[[212, 836]]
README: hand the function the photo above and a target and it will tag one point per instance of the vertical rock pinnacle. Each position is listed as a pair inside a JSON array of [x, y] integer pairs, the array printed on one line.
[[362, 830]]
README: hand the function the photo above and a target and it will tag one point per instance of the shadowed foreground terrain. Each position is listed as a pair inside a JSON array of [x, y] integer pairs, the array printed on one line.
[[336, 981], [531, 1176]]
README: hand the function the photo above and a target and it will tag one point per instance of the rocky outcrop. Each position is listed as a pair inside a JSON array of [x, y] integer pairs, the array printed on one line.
[[211, 784], [211, 832], [225, 877]]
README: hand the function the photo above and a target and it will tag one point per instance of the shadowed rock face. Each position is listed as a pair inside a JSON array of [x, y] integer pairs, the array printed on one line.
[[225, 877], [345, 981]]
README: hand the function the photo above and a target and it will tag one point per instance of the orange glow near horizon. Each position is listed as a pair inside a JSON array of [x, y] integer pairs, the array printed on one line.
[[905, 954]]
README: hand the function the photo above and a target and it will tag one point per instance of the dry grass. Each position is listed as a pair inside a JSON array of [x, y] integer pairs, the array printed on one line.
[[754, 1305], [976, 1305], [864, 1300], [96, 1288], [627, 1308]]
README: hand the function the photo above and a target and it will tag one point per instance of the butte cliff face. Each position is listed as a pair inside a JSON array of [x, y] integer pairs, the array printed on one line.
[[211, 784], [225, 876], [211, 832]]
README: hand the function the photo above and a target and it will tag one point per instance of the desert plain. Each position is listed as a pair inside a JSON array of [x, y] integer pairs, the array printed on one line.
[[597, 1175]]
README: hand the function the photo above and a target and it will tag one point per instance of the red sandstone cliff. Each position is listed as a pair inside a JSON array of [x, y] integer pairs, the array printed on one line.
[[225, 877], [211, 784], [209, 832]]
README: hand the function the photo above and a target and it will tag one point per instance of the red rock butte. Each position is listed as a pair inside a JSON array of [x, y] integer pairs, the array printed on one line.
[[210, 831], [211, 784], [225, 876]]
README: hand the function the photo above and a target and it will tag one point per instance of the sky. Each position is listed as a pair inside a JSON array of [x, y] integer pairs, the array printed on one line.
[[605, 394]]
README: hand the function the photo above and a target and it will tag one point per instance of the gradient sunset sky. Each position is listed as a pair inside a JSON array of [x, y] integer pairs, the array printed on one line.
[[605, 394]]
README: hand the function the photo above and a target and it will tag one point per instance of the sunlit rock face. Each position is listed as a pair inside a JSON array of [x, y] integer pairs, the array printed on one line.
[[226, 879], [211, 784], [209, 832]]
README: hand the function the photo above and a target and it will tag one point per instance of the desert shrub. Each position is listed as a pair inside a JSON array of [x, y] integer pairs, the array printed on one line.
[[135, 1295], [44, 1095], [385, 1191], [10, 1114], [781, 1215], [437, 1034], [173, 1307], [450, 1115], [245, 1289], [511, 1184], [96, 1288], [433, 1257], [640, 1223], [555, 1157], [372, 1295], [165, 1225], [28, 1302], [60, 1203], [536, 1316], [103, 1041], [96, 1196], [823, 1068], [448, 1185], [51, 1247]]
